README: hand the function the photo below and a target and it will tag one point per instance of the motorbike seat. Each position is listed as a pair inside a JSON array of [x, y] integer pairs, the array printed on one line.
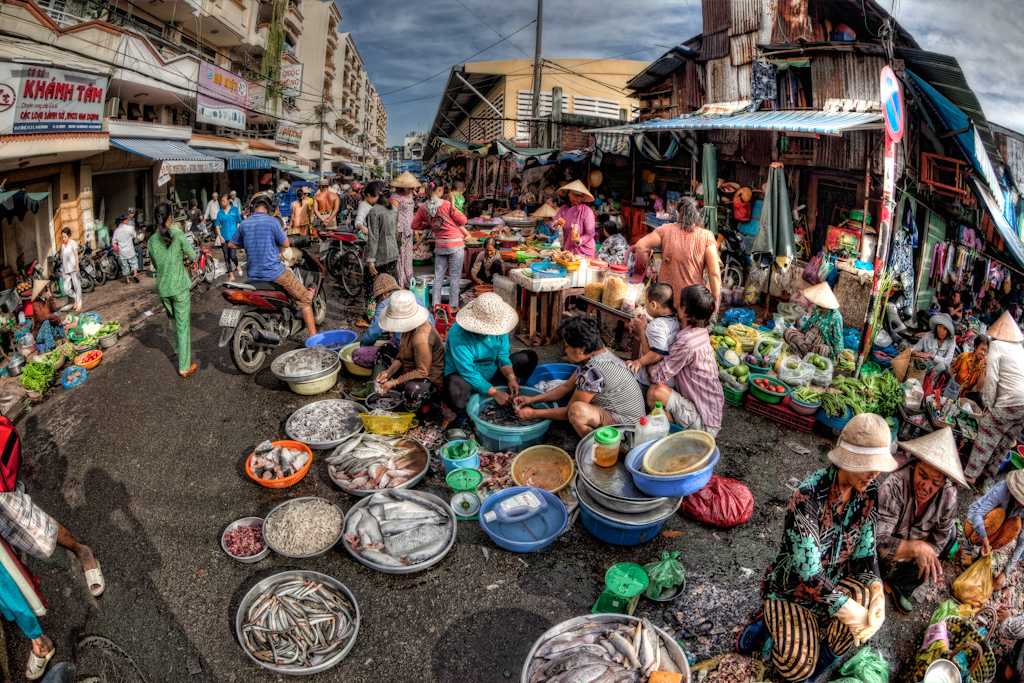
[[264, 284]]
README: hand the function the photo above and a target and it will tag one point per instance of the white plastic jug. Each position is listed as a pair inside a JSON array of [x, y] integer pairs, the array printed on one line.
[[653, 426]]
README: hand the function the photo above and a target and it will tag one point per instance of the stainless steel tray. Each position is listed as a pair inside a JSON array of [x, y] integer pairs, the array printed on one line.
[[411, 569], [361, 493], [356, 427], [613, 483], [638, 519]]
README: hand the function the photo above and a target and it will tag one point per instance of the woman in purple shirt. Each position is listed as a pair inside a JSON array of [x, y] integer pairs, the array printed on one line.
[[577, 220]]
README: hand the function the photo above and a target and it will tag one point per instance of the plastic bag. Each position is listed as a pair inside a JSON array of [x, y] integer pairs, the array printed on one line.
[[946, 608], [743, 316], [665, 576], [796, 372], [867, 665], [823, 368], [723, 503], [974, 586]]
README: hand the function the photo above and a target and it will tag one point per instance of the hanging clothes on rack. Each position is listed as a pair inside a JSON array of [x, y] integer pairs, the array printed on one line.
[[903, 257]]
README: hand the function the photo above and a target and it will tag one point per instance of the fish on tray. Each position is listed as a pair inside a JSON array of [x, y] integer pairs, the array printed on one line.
[[604, 651], [398, 529], [275, 462], [368, 462], [297, 623]]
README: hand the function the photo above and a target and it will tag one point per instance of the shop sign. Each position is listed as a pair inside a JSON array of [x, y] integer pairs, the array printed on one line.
[[177, 167], [223, 97], [291, 80], [256, 100], [288, 133], [43, 99]]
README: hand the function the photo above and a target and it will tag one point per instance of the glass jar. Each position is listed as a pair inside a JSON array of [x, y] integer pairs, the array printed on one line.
[[607, 441]]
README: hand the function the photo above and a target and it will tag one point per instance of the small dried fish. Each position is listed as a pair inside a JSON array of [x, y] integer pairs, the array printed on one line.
[[297, 623], [304, 527], [324, 421]]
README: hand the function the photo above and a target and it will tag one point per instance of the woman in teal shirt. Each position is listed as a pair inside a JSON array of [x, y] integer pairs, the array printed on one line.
[[477, 355], [168, 250], [227, 222]]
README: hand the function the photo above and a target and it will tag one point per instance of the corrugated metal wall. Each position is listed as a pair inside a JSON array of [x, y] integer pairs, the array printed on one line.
[[725, 82], [716, 15], [743, 48], [745, 16], [845, 75]]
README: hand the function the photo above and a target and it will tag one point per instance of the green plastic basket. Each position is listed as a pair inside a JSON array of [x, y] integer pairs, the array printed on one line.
[[733, 397], [762, 395]]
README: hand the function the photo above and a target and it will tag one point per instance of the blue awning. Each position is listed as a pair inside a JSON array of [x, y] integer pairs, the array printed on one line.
[[236, 160], [1006, 231], [177, 156], [819, 122]]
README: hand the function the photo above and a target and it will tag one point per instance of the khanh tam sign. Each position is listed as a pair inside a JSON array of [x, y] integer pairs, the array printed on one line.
[[44, 99]]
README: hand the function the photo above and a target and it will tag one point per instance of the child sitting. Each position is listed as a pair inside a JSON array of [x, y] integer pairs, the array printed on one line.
[[661, 331]]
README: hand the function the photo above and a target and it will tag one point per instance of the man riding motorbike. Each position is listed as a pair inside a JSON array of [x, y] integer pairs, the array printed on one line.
[[262, 236]]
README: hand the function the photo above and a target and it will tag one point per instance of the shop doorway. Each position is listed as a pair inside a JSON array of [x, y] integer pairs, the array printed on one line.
[[27, 236], [830, 198], [115, 193]]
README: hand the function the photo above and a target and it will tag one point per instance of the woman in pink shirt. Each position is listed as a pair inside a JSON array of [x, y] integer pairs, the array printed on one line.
[[577, 220], [447, 223]]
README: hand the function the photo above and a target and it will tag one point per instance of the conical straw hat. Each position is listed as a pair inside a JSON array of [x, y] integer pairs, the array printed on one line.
[[1015, 482], [1005, 329], [938, 449], [821, 295], [406, 181], [577, 186], [544, 211]]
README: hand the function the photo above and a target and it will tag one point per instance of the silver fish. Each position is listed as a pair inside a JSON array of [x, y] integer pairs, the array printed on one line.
[[407, 542], [626, 648], [586, 674], [380, 558], [396, 526]]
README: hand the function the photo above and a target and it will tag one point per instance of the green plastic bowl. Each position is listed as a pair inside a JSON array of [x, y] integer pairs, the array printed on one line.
[[764, 396]]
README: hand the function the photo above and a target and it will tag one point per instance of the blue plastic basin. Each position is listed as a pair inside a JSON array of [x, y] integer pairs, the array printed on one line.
[[332, 339], [672, 487], [452, 464], [610, 531], [506, 438], [531, 535], [549, 371]]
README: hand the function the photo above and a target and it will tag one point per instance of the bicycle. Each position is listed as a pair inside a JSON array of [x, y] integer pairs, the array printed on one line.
[[344, 259]]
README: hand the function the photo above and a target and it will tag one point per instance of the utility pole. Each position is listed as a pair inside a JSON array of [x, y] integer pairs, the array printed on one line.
[[323, 98], [537, 68]]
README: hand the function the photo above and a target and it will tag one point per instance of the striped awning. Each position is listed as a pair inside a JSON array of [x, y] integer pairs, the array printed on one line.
[[180, 157], [236, 161], [819, 122]]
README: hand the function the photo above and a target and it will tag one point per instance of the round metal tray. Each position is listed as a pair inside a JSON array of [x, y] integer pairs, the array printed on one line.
[[412, 569], [613, 487], [251, 559], [558, 629], [325, 445], [361, 493], [266, 583], [292, 501], [637, 519], [331, 362]]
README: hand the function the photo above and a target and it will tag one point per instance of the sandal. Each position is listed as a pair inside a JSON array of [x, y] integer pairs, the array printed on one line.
[[94, 580], [36, 666], [185, 374]]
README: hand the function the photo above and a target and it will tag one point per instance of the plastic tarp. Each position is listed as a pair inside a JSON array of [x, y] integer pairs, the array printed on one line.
[[709, 177], [775, 234], [1009, 235]]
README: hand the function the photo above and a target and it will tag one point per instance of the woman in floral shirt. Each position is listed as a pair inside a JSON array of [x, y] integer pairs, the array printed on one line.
[[822, 594]]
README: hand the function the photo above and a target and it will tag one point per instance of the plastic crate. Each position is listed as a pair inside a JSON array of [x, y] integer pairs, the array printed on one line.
[[733, 397], [780, 415]]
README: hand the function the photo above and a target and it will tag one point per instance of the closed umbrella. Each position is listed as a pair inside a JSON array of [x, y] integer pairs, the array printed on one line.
[[775, 233], [709, 177]]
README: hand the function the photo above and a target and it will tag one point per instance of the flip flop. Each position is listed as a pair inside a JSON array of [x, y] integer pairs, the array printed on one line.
[[94, 580], [36, 666]]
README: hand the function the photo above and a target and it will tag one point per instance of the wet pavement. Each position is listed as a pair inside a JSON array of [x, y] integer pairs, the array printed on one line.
[[147, 469]]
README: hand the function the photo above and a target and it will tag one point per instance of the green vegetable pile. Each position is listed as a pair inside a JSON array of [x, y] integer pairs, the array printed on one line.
[[112, 327], [846, 362], [461, 450], [881, 394], [37, 375], [808, 395]]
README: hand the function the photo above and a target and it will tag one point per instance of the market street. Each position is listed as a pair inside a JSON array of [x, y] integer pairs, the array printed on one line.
[[147, 470]]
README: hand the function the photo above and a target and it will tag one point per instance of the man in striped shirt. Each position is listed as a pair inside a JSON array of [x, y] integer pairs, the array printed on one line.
[[687, 381]]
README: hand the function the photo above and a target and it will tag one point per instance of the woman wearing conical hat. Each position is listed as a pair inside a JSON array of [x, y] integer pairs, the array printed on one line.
[[577, 220], [1003, 396], [821, 332], [917, 509]]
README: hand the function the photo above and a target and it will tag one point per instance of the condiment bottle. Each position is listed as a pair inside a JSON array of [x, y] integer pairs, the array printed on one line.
[[606, 446]]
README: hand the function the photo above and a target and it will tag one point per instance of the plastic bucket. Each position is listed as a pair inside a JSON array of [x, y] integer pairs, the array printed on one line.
[[451, 464], [551, 371], [610, 531], [332, 339]]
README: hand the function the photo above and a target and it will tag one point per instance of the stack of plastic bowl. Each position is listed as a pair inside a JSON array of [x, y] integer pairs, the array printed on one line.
[[612, 508], [525, 534], [678, 465], [450, 463]]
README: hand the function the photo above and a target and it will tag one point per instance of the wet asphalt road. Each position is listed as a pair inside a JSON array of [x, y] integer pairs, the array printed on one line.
[[147, 469]]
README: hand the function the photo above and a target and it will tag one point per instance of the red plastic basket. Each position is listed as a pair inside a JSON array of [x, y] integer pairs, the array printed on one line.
[[780, 414]]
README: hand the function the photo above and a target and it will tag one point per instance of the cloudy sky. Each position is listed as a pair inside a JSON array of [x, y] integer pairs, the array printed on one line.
[[405, 43]]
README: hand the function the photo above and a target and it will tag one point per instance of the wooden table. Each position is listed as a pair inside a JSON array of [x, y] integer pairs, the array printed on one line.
[[540, 313], [596, 308]]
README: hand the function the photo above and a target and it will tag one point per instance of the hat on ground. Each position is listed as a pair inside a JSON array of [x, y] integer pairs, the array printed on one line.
[[944, 320], [938, 449], [488, 314], [865, 445], [545, 210], [405, 181], [1015, 482], [577, 186], [1005, 329], [402, 313], [821, 295], [383, 285], [37, 288]]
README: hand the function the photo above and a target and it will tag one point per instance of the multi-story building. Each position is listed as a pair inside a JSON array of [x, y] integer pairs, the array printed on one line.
[[412, 145], [184, 97]]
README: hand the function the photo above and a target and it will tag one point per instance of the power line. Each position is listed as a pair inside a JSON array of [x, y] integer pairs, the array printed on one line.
[[488, 26], [448, 68]]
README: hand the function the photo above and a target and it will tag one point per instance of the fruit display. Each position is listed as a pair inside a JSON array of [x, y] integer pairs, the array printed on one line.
[[745, 335], [766, 384], [735, 377]]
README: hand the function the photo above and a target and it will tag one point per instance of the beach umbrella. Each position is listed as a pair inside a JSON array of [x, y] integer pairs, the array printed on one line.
[[774, 239], [709, 177]]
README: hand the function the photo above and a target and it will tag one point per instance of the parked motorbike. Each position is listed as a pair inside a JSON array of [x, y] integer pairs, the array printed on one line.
[[89, 266], [106, 263], [57, 278], [203, 268], [735, 259], [261, 315]]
